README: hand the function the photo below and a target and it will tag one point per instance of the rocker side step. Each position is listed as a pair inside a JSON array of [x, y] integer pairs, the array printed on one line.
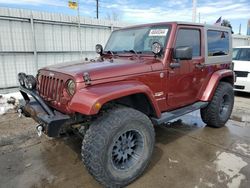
[[168, 116]]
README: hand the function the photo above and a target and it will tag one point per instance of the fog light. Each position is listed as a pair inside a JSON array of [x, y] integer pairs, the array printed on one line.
[[99, 49], [30, 82], [156, 48], [21, 77]]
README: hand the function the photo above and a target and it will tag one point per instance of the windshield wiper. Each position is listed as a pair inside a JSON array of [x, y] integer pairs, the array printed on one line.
[[135, 52], [217, 53], [110, 52]]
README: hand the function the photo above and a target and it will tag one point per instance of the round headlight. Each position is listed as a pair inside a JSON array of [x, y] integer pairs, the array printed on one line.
[[21, 77], [21, 81], [71, 86], [30, 82]]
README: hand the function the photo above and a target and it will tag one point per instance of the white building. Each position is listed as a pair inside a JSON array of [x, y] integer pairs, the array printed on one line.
[[241, 40]]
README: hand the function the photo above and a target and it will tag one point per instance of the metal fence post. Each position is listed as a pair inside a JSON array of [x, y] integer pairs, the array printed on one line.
[[79, 29], [111, 27], [34, 41]]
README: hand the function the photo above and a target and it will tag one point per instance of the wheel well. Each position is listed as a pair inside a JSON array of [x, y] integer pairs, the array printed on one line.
[[228, 79], [137, 101]]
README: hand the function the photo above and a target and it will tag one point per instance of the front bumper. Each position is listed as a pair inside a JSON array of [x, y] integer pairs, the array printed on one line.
[[242, 84], [51, 120]]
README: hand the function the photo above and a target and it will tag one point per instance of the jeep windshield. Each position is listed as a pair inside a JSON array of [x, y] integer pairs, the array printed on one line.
[[241, 54], [137, 40]]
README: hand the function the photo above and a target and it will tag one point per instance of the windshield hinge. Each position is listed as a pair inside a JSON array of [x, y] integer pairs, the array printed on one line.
[[86, 78]]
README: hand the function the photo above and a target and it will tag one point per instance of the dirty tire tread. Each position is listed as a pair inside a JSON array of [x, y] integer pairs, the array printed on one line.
[[209, 114], [99, 132]]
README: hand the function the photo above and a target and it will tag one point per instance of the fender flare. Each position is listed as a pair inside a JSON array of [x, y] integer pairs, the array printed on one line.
[[217, 76], [84, 99]]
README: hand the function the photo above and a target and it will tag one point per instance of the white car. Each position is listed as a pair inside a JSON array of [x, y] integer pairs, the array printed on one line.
[[241, 60]]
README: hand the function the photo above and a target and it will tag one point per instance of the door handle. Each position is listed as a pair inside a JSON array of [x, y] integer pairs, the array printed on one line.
[[200, 65], [174, 65]]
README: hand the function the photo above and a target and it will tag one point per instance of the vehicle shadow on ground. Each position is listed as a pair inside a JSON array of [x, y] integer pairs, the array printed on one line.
[[170, 132], [242, 94], [74, 142], [165, 134]]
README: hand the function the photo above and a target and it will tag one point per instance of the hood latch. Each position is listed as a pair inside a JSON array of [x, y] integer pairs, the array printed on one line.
[[86, 78]]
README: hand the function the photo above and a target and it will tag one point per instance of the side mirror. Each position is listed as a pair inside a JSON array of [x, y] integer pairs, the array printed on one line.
[[99, 49], [183, 53], [156, 48]]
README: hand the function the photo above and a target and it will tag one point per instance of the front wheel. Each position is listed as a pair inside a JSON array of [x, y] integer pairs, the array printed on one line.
[[219, 110], [118, 146]]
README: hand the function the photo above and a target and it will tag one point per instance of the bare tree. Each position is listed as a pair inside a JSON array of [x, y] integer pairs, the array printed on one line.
[[227, 23]]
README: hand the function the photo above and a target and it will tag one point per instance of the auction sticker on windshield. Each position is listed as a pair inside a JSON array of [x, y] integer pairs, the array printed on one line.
[[158, 32]]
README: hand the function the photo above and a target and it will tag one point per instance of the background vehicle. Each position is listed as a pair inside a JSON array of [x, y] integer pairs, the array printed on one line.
[[146, 75], [241, 60]]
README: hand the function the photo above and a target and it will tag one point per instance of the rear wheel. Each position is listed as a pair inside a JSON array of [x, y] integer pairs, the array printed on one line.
[[117, 147], [220, 108]]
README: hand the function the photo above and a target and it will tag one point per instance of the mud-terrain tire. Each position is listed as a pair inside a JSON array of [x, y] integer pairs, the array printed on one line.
[[118, 146], [219, 109]]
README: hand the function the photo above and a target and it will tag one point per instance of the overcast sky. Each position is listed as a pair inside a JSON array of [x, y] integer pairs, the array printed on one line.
[[236, 11]]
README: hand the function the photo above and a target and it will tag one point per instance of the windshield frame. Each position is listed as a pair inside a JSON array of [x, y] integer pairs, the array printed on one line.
[[143, 53]]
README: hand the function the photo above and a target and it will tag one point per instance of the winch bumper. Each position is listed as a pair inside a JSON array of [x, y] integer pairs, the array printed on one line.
[[51, 120]]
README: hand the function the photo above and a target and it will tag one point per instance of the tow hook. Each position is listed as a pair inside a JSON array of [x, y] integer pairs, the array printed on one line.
[[20, 111], [39, 129]]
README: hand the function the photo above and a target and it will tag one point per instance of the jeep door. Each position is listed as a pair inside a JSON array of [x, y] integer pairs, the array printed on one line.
[[184, 82]]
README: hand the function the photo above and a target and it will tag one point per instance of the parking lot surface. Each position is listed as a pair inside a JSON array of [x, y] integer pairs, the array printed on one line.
[[186, 154]]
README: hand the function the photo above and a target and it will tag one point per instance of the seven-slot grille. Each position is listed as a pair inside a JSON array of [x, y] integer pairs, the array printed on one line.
[[241, 73], [50, 88]]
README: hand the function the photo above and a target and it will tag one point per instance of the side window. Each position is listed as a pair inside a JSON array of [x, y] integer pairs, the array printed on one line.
[[218, 43], [189, 37]]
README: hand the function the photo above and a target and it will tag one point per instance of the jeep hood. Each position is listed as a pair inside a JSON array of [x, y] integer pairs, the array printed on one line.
[[101, 70]]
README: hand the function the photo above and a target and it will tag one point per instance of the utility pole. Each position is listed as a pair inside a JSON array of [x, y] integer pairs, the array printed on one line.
[[240, 29], [194, 11], [199, 17], [97, 9], [79, 28]]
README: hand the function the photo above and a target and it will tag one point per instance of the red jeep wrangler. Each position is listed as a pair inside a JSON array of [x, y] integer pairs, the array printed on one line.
[[146, 75]]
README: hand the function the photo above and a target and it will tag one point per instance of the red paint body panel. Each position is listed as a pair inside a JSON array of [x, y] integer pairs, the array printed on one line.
[[85, 99], [127, 74], [101, 70], [213, 83]]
